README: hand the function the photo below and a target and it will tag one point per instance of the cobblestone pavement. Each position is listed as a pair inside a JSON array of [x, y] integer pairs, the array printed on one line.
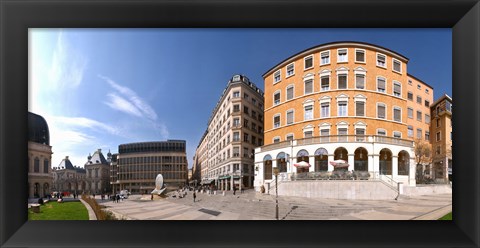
[[252, 205]]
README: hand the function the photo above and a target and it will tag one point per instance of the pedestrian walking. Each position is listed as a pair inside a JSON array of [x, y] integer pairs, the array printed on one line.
[[194, 196], [234, 190], [151, 198]]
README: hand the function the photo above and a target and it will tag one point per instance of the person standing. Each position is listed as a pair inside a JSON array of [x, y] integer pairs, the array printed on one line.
[[151, 198], [194, 196], [234, 190]]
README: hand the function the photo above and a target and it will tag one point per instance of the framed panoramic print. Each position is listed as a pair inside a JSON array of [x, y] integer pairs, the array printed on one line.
[[204, 123]]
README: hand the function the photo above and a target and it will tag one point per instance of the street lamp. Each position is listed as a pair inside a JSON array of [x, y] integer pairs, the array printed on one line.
[[276, 171]]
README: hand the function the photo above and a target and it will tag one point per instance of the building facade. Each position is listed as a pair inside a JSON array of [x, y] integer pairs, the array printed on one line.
[[348, 101], [68, 178], [441, 139], [40, 178], [98, 173], [235, 128], [138, 164]]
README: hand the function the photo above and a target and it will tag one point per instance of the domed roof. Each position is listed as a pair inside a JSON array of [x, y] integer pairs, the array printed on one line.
[[38, 129]]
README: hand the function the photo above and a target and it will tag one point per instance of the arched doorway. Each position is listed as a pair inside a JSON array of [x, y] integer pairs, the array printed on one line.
[[36, 190], [302, 155], [360, 159], [403, 163], [267, 167], [385, 162], [321, 160], [46, 189], [282, 162]]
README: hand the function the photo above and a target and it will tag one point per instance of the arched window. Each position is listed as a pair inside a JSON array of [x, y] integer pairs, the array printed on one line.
[[282, 162], [385, 162], [321, 160], [361, 159], [341, 153], [403, 163], [302, 155], [267, 167]]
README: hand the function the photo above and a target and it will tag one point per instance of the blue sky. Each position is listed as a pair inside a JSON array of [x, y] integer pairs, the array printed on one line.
[[98, 88]]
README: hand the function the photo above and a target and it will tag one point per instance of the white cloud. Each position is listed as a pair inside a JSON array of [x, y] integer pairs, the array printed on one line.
[[83, 122], [68, 65], [121, 104], [135, 102]]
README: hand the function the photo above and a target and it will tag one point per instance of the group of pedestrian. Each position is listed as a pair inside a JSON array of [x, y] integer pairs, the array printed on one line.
[[116, 198]]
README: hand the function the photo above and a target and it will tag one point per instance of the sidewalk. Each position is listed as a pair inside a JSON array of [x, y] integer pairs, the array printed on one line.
[[252, 205]]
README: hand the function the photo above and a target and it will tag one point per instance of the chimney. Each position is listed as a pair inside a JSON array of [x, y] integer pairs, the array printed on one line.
[[66, 157], [99, 150]]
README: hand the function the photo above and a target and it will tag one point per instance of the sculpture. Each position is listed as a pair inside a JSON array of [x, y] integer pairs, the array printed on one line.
[[158, 185]]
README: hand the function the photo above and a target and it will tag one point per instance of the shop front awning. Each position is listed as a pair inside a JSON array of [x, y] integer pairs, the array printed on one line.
[[206, 181]]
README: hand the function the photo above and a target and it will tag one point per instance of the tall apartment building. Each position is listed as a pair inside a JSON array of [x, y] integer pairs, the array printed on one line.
[[40, 178], [138, 164], [235, 128], [348, 101], [441, 138]]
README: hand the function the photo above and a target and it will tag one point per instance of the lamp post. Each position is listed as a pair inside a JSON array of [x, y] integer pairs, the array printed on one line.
[[276, 171]]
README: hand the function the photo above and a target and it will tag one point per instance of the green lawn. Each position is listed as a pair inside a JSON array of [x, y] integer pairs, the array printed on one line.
[[447, 217], [60, 211]]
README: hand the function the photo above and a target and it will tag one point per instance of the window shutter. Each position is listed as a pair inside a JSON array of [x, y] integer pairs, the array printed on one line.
[[308, 86], [360, 109], [381, 111], [360, 81], [289, 117], [290, 93], [381, 83]]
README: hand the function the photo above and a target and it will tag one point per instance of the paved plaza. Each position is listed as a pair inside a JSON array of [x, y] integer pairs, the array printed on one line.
[[252, 205]]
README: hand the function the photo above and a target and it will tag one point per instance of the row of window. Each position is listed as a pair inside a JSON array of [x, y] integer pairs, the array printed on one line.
[[235, 154], [342, 111], [419, 99], [149, 176], [342, 57], [229, 168], [308, 132], [152, 159], [419, 87], [419, 115], [342, 79], [236, 94]]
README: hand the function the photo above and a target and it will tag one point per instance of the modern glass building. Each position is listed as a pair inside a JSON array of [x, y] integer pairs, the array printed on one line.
[[137, 164]]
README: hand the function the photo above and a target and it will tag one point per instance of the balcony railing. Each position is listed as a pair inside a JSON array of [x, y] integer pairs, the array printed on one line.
[[340, 139]]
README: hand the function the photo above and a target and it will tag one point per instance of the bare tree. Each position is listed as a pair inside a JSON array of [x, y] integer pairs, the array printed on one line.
[[423, 157]]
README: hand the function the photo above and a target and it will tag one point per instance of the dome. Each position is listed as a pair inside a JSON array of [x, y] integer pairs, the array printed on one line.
[[38, 129]]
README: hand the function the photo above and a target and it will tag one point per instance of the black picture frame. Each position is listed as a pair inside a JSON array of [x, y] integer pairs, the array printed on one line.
[[19, 15]]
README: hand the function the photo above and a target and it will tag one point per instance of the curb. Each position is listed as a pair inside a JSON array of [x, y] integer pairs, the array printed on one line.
[[435, 214], [91, 213]]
